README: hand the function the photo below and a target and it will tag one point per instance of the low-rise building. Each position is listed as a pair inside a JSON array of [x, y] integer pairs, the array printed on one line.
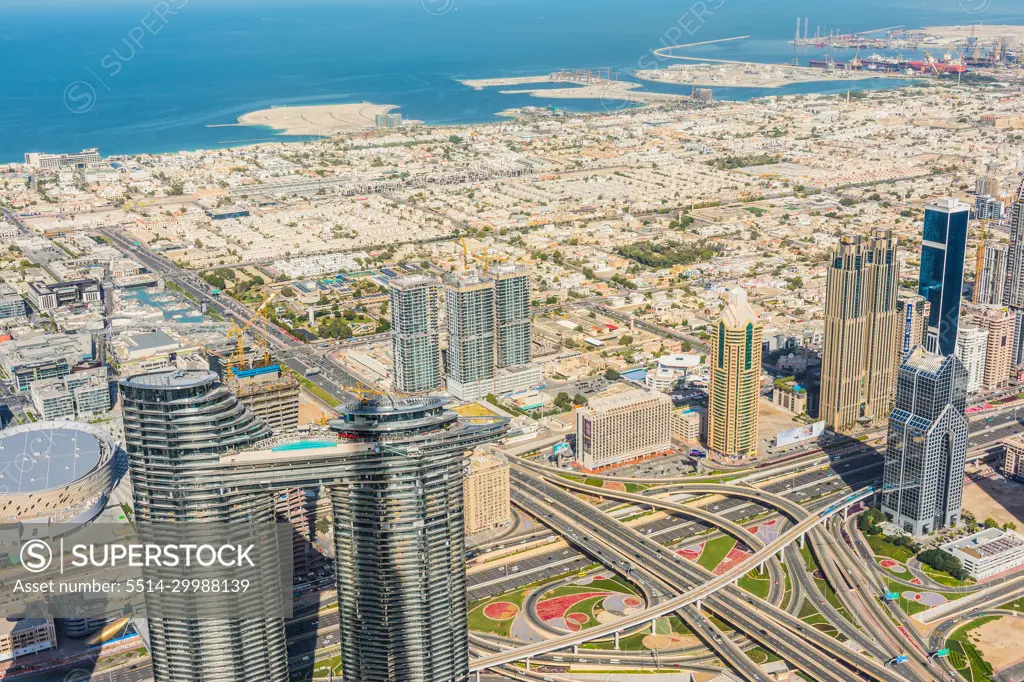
[[1013, 460], [487, 492], [671, 369], [988, 552], [11, 302], [623, 425], [147, 352], [52, 296], [24, 636], [690, 424], [76, 396], [790, 396], [43, 357]]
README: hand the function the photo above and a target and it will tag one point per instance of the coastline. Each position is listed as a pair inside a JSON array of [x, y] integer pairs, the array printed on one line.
[[322, 120]]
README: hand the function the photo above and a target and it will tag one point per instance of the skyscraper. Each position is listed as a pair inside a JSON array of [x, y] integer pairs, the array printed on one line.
[[942, 270], [927, 444], [395, 481], [735, 388], [489, 333], [177, 425], [912, 310], [999, 322], [991, 281], [470, 365], [1013, 294], [415, 336], [971, 347], [512, 314], [862, 326]]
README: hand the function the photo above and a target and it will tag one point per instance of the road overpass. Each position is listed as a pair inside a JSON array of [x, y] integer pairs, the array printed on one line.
[[692, 596]]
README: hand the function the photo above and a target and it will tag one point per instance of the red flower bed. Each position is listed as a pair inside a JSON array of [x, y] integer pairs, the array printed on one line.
[[733, 557], [501, 610], [549, 609]]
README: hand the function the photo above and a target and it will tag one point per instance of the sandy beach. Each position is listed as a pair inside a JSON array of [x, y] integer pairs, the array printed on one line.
[[979, 31], [481, 83], [320, 120], [603, 89]]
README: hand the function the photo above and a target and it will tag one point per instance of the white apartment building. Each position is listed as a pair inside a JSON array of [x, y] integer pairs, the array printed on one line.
[[622, 425], [971, 348]]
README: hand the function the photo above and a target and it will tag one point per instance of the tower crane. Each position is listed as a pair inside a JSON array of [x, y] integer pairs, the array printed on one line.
[[237, 358]]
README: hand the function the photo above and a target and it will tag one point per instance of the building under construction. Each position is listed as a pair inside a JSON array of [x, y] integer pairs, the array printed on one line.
[[270, 393]]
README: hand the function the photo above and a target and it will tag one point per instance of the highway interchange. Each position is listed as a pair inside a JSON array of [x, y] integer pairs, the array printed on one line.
[[874, 632]]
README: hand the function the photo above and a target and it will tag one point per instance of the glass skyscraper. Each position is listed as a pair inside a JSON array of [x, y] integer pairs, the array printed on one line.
[[942, 270], [926, 447]]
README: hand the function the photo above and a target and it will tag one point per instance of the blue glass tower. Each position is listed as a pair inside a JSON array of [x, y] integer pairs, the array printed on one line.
[[942, 271]]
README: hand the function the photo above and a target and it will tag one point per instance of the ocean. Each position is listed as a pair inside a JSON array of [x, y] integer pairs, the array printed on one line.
[[145, 76]]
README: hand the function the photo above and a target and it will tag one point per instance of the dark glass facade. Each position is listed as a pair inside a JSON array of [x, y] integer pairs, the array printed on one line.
[[942, 271]]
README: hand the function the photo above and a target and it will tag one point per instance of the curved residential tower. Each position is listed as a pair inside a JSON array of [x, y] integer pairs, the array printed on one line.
[[394, 469]]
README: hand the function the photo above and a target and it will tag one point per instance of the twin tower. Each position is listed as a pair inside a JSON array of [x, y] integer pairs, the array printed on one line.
[[197, 455]]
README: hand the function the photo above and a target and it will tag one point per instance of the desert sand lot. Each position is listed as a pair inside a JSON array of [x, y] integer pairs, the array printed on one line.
[[980, 31], [320, 121], [995, 497], [999, 641]]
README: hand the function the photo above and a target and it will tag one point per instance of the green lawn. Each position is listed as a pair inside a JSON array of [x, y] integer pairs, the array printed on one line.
[[809, 561], [481, 623], [678, 626], [632, 643], [714, 551], [943, 578], [789, 587], [757, 584], [881, 547], [1015, 605], [761, 656], [614, 584]]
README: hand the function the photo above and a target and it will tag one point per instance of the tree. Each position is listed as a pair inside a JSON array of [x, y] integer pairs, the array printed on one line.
[[563, 401], [350, 315], [1009, 525], [990, 523], [943, 561], [579, 399], [611, 375], [626, 340]]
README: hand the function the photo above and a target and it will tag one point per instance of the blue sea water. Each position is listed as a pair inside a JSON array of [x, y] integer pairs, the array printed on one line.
[[132, 76]]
